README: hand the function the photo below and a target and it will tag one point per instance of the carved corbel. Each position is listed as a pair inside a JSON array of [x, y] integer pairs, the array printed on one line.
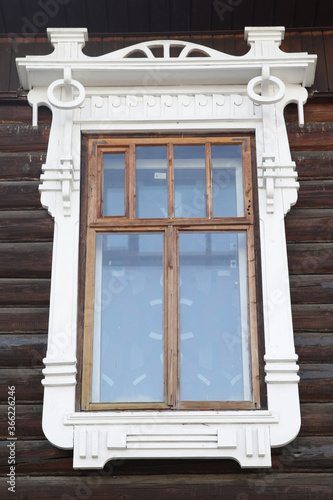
[[276, 171], [65, 103], [269, 175]]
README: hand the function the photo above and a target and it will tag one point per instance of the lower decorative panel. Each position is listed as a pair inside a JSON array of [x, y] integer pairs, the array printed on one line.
[[94, 445]]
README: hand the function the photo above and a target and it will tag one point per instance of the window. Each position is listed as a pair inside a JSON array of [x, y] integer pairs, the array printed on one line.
[[173, 93], [170, 271]]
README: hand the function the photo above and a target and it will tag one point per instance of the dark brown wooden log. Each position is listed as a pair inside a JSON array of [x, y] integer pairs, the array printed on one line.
[[313, 317], [315, 194], [292, 42], [28, 350], [312, 289], [49, 459], [27, 382], [308, 453], [21, 166], [246, 486], [19, 195], [28, 422], [306, 225], [305, 18], [328, 43], [315, 135], [6, 56], [314, 347], [315, 110], [25, 260], [311, 258], [53, 460], [16, 138], [24, 320], [22, 292], [321, 80], [316, 383], [41, 455], [317, 419], [313, 165], [26, 226], [21, 112]]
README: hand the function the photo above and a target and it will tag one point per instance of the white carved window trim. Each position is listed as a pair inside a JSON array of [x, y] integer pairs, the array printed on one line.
[[117, 93]]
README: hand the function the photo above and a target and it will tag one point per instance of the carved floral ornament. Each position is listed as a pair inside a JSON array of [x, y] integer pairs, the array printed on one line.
[[170, 86]]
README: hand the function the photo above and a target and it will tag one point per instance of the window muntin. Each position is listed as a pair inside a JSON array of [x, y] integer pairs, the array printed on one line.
[[238, 341]]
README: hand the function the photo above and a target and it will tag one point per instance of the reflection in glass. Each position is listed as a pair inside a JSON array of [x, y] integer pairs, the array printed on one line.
[[151, 182], [128, 324], [114, 184], [214, 336], [227, 180], [190, 181]]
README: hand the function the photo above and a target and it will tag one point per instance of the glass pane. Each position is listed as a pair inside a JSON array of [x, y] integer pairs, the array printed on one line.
[[214, 337], [190, 181], [227, 177], [114, 184], [128, 325], [151, 182]]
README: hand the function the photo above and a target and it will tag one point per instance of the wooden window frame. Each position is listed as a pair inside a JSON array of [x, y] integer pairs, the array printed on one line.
[[97, 223]]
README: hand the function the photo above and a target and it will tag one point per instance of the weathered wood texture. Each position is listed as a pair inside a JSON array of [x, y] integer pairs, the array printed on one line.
[[26, 226], [21, 195], [312, 289], [24, 292], [25, 260], [303, 455], [20, 138], [319, 134], [303, 469], [306, 226], [23, 319], [20, 166], [29, 348], [310, 258], [214, 486], [314, 346], [28, 388]]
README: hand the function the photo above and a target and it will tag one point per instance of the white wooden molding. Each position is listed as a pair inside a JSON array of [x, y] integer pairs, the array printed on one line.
[[200, 90]]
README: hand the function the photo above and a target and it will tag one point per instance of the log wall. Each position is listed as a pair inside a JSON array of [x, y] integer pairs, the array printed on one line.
[[303, 469]]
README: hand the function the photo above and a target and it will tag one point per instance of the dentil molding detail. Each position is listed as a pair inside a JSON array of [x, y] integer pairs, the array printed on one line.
[[173, 87]]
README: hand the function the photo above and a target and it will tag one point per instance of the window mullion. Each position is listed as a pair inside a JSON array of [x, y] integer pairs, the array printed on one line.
[[209, 195], [171, 190], [253, 320], [172, 346], [130, 196]]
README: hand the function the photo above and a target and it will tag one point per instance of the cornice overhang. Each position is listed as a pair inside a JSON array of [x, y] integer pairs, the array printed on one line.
[[121, 68]]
